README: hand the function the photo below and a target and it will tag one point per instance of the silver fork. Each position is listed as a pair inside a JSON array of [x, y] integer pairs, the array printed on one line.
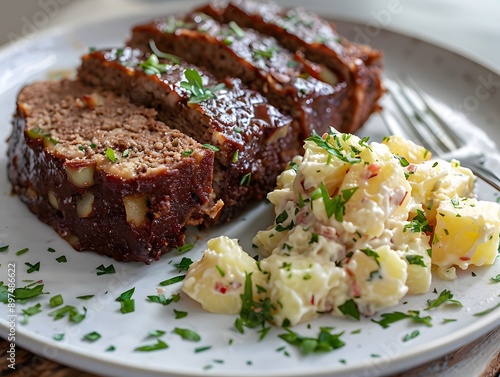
[[421, 121]]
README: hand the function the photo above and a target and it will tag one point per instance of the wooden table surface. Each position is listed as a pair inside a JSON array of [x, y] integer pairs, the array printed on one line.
[[481, 358]]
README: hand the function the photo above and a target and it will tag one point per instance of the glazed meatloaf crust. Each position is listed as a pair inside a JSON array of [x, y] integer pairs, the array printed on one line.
[[104, 173], [258, 60], [301, 30], [251, 138]]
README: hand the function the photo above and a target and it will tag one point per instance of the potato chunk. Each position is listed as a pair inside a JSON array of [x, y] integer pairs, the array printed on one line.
[[466, 233], [217, 280]]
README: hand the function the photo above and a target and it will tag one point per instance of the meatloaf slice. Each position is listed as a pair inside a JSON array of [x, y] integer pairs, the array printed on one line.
[[299, 29], [258, 60], [105, 174], [251, 138]]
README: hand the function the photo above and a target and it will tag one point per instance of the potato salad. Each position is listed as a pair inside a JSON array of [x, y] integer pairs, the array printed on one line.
[[357, 227]]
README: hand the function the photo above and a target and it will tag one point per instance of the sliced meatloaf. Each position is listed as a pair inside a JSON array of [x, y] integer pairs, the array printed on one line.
[[258, 60], [104, 173], [251, 138], [301, 30]]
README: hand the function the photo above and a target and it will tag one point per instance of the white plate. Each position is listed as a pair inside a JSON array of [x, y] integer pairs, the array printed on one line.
[[456, 85]]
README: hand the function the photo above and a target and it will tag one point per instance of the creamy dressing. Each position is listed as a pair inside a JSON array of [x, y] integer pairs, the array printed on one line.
[[356, 223]]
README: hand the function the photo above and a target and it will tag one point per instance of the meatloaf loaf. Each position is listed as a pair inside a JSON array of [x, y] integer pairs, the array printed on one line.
[[258, 60], [301, 30], [251, 138], [104, 173]]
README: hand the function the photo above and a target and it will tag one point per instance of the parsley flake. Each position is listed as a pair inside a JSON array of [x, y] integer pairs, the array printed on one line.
[[413, 335], [389, 318], [101, 270], [92, 336], [325, 342], [126, 301], [444, 297], [187, 334], [175, 279], [194, 84], [349, 308], [159, 345]]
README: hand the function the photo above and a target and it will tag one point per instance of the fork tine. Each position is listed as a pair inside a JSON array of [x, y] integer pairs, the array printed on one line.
[[449, 137], [423, 134], [437, 137]]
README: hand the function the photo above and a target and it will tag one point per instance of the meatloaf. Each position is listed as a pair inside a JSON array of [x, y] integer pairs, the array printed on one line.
[[301, 30], [251, 139], [104, 173], [258, 60]]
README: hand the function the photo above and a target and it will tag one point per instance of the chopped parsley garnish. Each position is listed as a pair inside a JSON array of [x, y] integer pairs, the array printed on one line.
[[487, 311], [234, 159], [447, 320], [495, 279], [61, 259], [187, 334], [152, 65], [56, 301], [349, 308], [238, 32], [159, 345], [253, 313], [185, 248], [388, 318], [4, 248], [26, 293], [325, 342], [419, 223], [92, 336], [416, 259], [336, 150], [180, 314], [22, 251], [161, 299], [110, 154], [403, 161], [211, 147], [202, 349], [126, 301], [73, 314], [410, 336], [111, 348], [160, 54], [444, 297], [156, 333], [336, 205], [58, 337], [184, 264], [194, 84], [30, 312], [220, 270], [245, 180], [101, 270], [175, 279], [87, 297], [126, 153], [264, 54], [32, 267], [38, 133], [187, 153]]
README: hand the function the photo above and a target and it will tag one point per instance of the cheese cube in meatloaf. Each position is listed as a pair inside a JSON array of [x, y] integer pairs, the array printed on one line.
[[104, 173], [252, 139], [288, 80], [304, 31]]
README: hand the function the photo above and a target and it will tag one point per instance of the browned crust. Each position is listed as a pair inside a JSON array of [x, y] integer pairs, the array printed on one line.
[[175, 195]]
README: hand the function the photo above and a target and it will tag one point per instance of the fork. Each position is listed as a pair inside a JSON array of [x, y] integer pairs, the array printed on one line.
[[422, 121]]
